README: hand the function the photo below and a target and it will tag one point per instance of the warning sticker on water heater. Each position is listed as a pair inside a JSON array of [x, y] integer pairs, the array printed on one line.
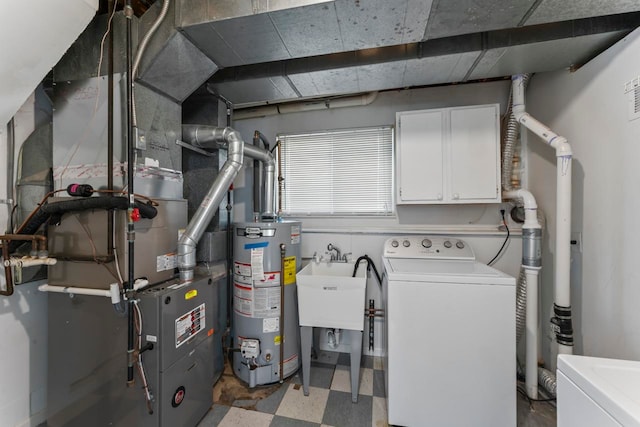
[[241, 269], [190, 324], [256, 302], [295, 234], [257, 264]]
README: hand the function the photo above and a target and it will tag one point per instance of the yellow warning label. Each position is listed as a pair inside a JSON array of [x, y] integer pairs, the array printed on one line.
[[191, 294], [290, 270], [276, 340]]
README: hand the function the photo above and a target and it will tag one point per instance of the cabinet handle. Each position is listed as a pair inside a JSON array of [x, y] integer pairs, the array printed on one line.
[[439, 196], [456, 196]]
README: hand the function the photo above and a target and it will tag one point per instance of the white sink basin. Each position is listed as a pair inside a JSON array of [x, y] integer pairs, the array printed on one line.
[[329, 297], [613, 385]]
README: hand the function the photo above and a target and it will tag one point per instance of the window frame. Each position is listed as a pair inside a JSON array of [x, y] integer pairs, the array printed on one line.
[[391, 212]]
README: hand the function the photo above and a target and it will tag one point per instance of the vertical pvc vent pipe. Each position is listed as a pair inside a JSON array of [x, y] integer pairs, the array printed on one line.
[[561, 321]]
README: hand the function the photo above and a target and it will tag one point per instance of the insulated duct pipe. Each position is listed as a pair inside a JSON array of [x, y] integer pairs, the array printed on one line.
[[203, 137], [223, 137], [298, 107], [142, 46], [562, 291], [531, 263]]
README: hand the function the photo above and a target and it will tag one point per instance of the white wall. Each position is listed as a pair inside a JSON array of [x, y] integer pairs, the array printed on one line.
[[477, 224], [36, 33], [589, 108], [23, 316]]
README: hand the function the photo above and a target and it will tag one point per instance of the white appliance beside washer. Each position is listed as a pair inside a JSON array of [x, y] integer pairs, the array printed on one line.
[[598, 392], [450, 350]]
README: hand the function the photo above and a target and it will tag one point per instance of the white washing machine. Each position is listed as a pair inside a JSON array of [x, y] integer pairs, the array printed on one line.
[[597, 392], [450, 349]]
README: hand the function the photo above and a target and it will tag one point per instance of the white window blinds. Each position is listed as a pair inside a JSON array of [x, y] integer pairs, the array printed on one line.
[[338, 172]]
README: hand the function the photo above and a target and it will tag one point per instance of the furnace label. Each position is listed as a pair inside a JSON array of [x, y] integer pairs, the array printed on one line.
[[166, 262], [190, 324]]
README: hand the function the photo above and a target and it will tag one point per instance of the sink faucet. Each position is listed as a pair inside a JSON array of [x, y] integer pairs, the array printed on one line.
[[335, 257]]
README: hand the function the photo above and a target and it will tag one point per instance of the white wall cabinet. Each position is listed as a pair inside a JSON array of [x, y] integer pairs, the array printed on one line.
[[448, 155]]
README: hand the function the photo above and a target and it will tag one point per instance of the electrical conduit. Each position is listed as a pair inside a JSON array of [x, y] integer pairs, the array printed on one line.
[[562, 292], [531, 265]]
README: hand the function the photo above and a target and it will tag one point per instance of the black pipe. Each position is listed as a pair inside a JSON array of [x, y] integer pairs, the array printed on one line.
[[110, 56], [128, 286], [54, 209], [370, 264]]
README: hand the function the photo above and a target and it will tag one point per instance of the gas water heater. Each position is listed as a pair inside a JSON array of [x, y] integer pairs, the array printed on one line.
[[265, 301]]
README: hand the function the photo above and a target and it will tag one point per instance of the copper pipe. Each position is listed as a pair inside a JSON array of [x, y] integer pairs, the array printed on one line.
[[7, 270], [39, 241], [283, 251]]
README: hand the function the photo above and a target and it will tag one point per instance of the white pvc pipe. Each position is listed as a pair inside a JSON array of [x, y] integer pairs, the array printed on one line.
[[298, 107], [562, 289], [531, 334], [531, 312], [29, 262], [75, 290]]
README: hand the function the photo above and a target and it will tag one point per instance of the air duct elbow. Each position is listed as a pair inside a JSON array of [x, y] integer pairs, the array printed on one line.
[[207, 209]]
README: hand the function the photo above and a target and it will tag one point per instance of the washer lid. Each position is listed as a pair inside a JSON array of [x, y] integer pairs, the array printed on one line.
[[611, 383], [447, 271]]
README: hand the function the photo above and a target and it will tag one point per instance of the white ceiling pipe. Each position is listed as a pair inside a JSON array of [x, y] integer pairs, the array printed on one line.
[[297, 107], [562, 289], [532, 263]]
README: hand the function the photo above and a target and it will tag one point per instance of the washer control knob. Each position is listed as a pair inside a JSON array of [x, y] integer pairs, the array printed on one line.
[[447, 244], [459, 244], [394, 243], [426, 243], [406, 243]]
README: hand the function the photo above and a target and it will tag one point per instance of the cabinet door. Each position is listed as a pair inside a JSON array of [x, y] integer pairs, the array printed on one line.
[[474, 158], [420, 156]]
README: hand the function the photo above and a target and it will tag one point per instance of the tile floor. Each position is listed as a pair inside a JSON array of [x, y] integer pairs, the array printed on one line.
[[329, 400]]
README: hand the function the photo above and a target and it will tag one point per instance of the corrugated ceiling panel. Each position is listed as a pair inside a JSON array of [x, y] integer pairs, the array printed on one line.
[[210, 42], [562, 10], [310, 30], [253, 38], [454, 17], [365, 24], [381, 76], [256, 90], [438, 69], [344, 80], [544, 56]]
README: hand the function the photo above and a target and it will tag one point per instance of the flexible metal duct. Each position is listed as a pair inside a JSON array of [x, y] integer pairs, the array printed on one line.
[[232, 141], [510, 138]]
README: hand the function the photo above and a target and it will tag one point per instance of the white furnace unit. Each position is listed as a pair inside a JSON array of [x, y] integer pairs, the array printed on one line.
[[450, 336]]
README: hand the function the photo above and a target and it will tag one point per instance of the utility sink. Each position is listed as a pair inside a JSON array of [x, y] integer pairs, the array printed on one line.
[[329, 297]]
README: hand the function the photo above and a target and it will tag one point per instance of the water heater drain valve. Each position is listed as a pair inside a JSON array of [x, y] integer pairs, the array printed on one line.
[[250, 348]]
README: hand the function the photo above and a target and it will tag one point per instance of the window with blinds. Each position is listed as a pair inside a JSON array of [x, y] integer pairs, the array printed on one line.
[[338, 172]]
